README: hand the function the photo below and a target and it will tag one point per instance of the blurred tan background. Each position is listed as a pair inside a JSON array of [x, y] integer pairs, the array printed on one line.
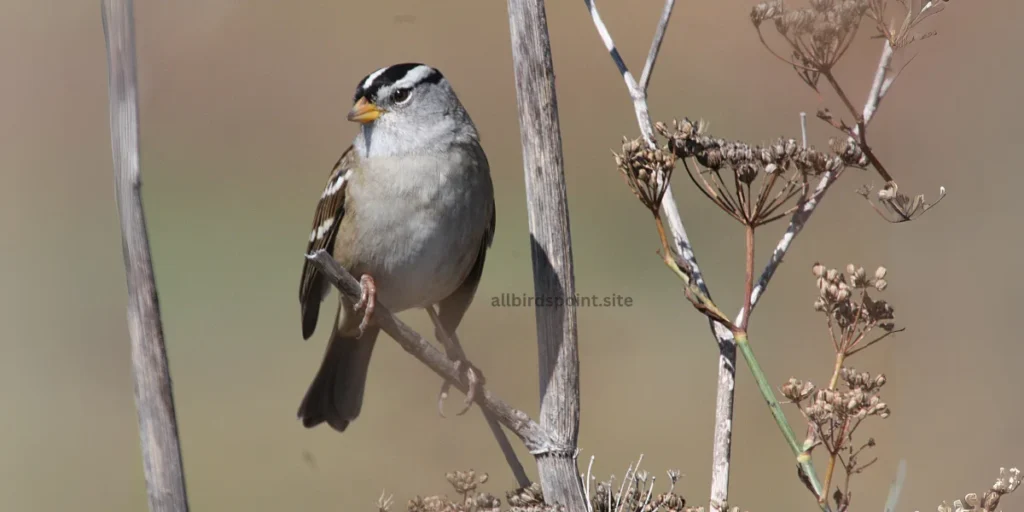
[[243, 109]]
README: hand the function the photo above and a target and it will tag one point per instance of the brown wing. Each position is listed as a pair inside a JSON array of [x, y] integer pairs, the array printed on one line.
[[329, 212]]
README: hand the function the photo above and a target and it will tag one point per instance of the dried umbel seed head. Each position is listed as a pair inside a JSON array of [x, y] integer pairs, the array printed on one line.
[[647, 171], [746, 173], [765, 11], [887, 192], [821, 5], [797, 390], [531, 496], [880, 272], [485, 502], [858, 276], [669, 502], [1009, 481], [849, 152], [818, 269], [845, 298], [797, 22], [862, 381], [465, 482]]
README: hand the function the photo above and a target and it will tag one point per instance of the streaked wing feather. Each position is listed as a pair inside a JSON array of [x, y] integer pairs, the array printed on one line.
[[330, 210]]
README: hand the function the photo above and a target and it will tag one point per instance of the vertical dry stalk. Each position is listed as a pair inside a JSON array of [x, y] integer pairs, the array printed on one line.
[[161, 453], [681, 246], [551, 249]]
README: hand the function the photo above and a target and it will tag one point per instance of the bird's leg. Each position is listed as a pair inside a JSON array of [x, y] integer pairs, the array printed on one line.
[[367, 301], [455, 353]]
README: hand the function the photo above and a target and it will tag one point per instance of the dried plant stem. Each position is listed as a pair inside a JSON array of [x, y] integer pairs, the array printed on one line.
[[666, 251], [829, 471], [550, 249], [154, 398], [841, 354], [840, 359], [803, 129], [748, 289], [833, 454], [861, 131]]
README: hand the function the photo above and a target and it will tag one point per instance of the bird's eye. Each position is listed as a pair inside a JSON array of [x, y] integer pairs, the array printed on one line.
[[400, 96]]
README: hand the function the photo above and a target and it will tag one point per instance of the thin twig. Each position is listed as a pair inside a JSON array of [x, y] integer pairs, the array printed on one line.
[[803, 129], [659, 36], [872, 342], [586, 483]]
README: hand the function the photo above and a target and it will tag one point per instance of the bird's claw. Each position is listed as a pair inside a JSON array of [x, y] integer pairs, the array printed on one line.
[[367, 301], [472, 381]]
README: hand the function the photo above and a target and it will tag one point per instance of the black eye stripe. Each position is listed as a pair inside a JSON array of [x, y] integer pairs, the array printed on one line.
[[391, 75]]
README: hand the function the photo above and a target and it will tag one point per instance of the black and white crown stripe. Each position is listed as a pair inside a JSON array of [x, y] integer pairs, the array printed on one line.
[[398, 76]]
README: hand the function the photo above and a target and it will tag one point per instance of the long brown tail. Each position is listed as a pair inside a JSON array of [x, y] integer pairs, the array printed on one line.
[[336, 394]]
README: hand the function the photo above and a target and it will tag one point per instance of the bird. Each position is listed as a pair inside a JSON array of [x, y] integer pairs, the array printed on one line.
[[409, 210]]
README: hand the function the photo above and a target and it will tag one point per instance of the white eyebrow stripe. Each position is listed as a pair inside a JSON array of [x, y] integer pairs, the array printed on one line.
[[414, 76], [373, 76]]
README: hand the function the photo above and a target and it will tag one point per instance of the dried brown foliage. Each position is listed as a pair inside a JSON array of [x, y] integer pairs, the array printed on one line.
[[1008, 481]]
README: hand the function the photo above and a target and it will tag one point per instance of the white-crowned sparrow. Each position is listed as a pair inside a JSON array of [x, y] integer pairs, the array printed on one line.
[[409, 210]]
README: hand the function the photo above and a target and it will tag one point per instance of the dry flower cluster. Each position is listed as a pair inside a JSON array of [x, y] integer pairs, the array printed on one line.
[[898, 207], [834, 413], [818, 36], [1008, 481], [634, 494], [850, 310], [783, 163], [466, 484], [638, 495], [647, 171], [758, 184]]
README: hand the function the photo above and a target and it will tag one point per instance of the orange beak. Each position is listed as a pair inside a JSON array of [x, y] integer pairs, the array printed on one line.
[[364, 111]]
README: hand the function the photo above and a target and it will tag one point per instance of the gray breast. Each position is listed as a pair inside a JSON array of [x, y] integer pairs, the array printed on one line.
[[419, 225]]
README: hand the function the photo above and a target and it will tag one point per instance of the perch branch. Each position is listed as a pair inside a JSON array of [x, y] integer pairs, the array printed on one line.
[[154, 399], [550, 249], [534, 437]]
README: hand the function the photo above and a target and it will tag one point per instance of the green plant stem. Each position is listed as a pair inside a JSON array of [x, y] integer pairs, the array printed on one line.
[[705, 305], [803, 457]]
